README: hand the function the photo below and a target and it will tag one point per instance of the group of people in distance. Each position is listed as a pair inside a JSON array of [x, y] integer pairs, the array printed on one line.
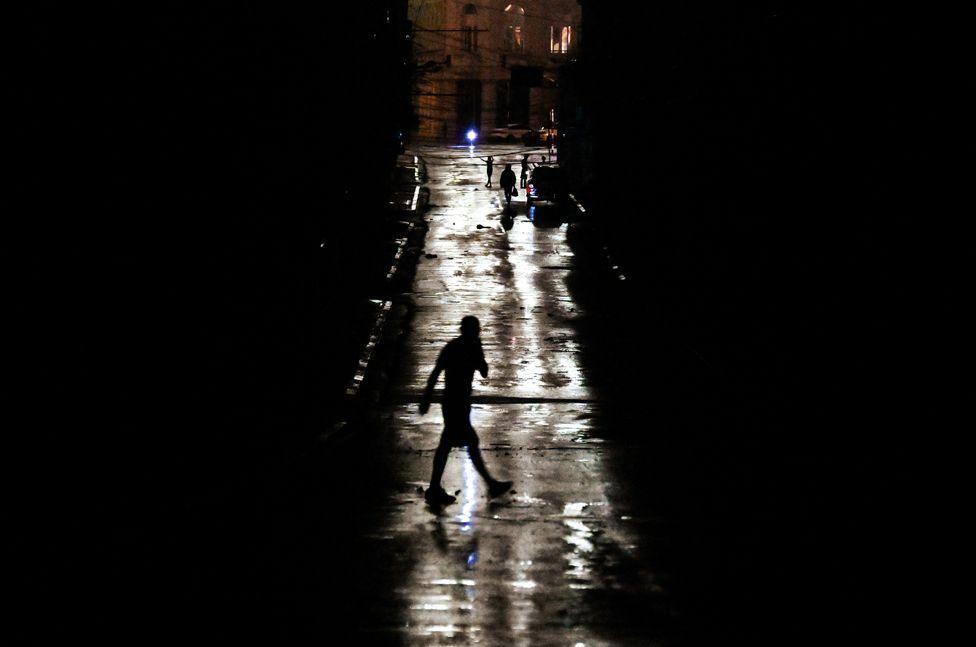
[[507, 178]]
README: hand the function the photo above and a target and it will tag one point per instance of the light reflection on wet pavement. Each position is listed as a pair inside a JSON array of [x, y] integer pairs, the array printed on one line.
[[547, 564]]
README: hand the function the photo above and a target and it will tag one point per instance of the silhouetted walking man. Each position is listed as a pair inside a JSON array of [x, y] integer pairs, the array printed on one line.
[[459, 359], [507, 180], [525, 171]]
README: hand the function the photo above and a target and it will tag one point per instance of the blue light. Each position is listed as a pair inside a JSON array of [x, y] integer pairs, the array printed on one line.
[[472, 135]]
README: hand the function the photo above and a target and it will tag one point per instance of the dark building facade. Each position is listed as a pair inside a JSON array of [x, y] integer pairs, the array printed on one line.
[[766, 174], [188, 181]]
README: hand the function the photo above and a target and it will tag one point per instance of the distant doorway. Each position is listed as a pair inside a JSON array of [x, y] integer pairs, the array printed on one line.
[[501, 104], [519, 106], [523, 78], [468, 105]]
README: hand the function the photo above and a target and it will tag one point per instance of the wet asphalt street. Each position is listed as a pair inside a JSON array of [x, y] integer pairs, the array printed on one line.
[[660, 497], [559, 560]]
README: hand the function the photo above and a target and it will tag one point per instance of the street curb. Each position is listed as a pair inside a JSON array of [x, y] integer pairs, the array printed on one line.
[[369, 381], [354, 385]]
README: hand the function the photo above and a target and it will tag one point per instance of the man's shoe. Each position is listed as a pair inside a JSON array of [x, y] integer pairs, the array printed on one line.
[[437, 496], [499, 488]]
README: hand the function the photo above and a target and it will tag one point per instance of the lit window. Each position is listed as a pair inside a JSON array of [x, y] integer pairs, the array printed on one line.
[[515, 29], [560, 39], [515, 42]]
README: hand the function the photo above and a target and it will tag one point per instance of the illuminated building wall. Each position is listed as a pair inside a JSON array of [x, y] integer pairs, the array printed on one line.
[[489, 63]]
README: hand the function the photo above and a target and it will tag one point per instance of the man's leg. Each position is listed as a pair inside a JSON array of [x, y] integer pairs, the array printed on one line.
[[440, 461], [435, 494], [495, 487], [474, 452]]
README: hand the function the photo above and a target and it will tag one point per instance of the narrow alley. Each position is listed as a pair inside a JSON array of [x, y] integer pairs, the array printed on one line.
[[550, 562]]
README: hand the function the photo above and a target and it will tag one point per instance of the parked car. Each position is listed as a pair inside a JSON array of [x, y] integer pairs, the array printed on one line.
[[512, 133], [546, 184]]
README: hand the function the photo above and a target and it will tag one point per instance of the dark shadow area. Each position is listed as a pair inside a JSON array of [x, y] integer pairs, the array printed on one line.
[[792, 274], [194, 216]]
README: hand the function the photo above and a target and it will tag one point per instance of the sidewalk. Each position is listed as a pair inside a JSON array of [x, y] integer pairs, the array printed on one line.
[[372, 295]]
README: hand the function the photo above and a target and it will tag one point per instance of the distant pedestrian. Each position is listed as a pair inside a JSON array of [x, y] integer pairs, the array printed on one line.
[[550, 141], [507, 180], [489, 165], [459, 359], [525, 171]]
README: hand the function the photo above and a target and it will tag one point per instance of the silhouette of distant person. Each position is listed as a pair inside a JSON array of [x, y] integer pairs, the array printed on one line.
[[550, 141], [507, 180], [525, 171], [459, 359], [489, 165]]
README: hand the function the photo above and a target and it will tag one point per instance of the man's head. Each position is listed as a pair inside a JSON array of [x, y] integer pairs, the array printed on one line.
[[470, 327], [490, 158], [508, 167]]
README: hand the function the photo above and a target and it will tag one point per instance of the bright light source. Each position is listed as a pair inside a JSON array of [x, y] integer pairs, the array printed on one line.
[[472, 135]]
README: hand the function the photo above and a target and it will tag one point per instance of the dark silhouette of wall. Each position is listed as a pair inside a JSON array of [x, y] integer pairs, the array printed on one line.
[[776, 192], [175, 172]]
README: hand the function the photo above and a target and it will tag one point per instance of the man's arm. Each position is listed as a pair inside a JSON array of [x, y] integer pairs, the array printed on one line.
[[483, 365], [431, 383]]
